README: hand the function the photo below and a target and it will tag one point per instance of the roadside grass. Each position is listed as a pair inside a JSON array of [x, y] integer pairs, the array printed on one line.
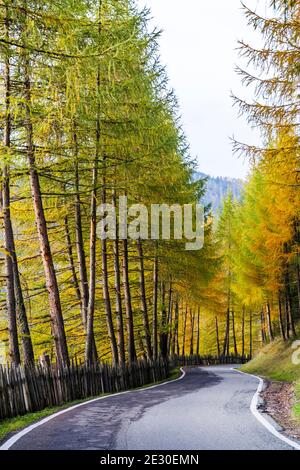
[[274, 362], [10, 426], [296, 408]]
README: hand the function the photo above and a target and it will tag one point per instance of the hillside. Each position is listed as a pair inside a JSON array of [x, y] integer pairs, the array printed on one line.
[[277, 363], [218, 188]]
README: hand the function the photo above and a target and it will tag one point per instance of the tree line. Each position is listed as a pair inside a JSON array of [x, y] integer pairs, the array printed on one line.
[[88, 116]]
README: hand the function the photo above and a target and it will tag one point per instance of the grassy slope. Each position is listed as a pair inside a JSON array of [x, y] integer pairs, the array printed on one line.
[[20, 422], [274, 362]]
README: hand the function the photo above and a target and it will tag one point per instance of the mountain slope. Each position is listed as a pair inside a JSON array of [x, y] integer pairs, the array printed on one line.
[[218, 188]]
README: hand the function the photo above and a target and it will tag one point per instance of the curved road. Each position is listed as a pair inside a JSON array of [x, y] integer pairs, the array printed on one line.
[[209, 409]]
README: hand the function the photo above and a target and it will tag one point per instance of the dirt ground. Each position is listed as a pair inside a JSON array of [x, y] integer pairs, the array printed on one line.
[[279, 398]]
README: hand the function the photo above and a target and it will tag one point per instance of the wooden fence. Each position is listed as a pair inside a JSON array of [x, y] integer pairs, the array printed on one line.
[[28, 389], [208, 360]]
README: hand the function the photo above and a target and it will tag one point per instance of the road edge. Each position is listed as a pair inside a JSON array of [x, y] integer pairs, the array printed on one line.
[[254, 410], [16, 437]]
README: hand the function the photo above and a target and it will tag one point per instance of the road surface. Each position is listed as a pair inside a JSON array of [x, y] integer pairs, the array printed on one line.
[[209, 409]]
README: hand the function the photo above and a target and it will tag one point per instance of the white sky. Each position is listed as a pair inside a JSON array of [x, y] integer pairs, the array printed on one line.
[[198, 48]]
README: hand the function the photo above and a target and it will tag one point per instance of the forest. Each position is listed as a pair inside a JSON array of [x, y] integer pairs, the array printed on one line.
[[87, 116]]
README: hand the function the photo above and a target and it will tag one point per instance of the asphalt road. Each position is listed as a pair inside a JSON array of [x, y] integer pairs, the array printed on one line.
[[209, 409]]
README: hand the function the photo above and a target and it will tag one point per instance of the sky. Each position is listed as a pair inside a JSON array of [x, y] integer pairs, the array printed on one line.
[[198, 48]]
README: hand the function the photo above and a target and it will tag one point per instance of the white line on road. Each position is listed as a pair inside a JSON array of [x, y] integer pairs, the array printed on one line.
[[10, 442], [260, 417]]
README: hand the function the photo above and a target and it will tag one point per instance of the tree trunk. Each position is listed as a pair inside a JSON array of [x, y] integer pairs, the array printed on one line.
[[83, 279], [226, 344], [14, 353], [192, 323], [119, 310], [175, 329], [170, 317], [250, 337], [198, 332], [141, 344], [155, 302], [50, 274], [263, 332], [217, 337], [144, 300], [289, 311], [23, 325], [269, 322], [107, 304], [128, 305], [281, 321], [84, 286], [90, 351], [243, 332], [164, 325], [71, 260], [106, 294], [184, 330], [233, 334]]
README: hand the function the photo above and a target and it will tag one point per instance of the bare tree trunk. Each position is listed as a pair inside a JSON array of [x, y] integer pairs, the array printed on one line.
[[192, 324], [84, 285], [15, 301], [83, 279], [169, 319], [107, 303], [198, 332], [71, 260], [184, 330], [164, 325], [289, 312], [177, 337], [128, 305], [14, 352], [106, 294], [233, 334], [141, 344], [144, 300], [155, 302], [281, 322], [90, 351], [269, 322], [175, 329], [14, 288], [243, 332], [217, 337], [50, 275], [23, 325], [263, 332], [119, 310], [226, 339], [250, 336]]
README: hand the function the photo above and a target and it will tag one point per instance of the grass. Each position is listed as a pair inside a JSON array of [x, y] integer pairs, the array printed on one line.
[[9, 426], [296, 408], [274, 362], [12, 425]]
